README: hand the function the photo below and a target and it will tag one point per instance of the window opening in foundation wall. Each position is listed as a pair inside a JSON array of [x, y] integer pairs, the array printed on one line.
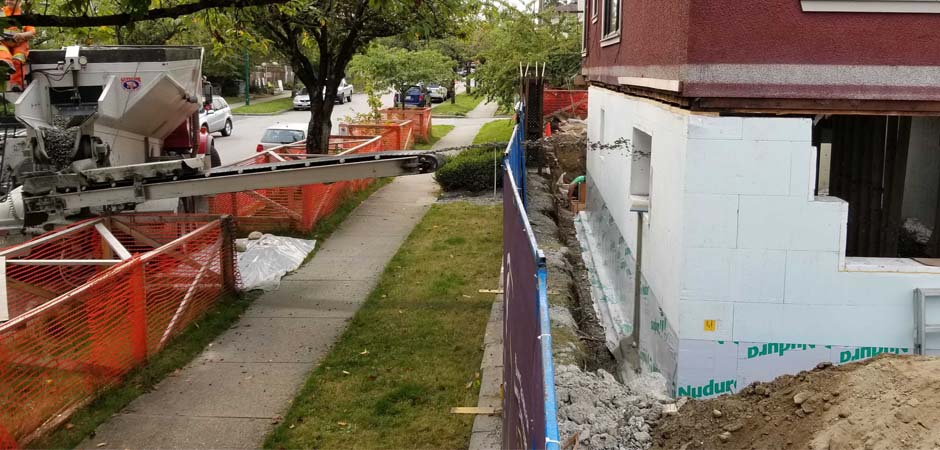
[[641, 172], [887, 168]]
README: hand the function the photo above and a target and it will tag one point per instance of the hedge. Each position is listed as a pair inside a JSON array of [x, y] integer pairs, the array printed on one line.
[[471, 170]]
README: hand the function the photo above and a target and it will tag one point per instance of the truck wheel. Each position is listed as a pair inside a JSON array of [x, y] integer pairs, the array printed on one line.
[[342, 99], [214, 158], [227, 130], [349, 98]]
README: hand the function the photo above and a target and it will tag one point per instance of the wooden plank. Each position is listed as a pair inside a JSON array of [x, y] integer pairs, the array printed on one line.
[[852, 189], [40, 292], [897, 188], [478, 410], [863, 211], [877, 186], [891, 145]]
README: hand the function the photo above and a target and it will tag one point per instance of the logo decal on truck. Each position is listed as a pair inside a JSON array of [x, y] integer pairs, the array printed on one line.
[[130, 83]]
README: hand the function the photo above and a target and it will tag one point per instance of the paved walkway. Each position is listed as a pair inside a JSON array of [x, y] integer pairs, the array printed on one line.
[[232, 395]]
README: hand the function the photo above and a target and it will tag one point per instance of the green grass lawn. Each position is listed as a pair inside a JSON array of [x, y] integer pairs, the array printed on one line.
[[495, 131], [272, 106], [465, 103], [437, 132], [183, 348], [413, 349]]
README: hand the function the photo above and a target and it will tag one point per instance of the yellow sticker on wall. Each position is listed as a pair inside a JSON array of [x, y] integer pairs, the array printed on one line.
[[710, 325]]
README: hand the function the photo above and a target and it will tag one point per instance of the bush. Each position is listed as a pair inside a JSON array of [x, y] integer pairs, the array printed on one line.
[[472, 170]]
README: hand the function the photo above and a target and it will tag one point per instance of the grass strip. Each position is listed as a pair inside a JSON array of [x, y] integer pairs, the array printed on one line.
[[437, 132], [184, 347], [270, 107], [495, 131], [463, 104], [413, 349]]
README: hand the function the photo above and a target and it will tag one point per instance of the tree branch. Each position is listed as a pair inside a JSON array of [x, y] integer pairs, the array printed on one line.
[[48, 20]]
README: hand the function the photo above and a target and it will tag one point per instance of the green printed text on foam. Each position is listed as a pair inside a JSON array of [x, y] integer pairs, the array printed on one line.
[[775, 348], [868, 352], [707, 390]]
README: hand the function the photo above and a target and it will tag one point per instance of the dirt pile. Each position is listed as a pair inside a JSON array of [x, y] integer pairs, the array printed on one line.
[[889, 402]]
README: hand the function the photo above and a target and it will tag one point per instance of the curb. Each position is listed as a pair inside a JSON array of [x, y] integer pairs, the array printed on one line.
[[487, 430]]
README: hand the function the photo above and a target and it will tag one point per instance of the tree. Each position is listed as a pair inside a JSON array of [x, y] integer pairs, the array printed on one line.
[[320, 37], [397, 68], [511, 38], [88, 13]]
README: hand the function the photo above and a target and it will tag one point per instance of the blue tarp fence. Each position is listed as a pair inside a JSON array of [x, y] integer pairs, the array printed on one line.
[[529, 408]]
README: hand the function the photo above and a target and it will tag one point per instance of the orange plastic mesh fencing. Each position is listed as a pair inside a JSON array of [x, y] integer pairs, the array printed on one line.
[[571, 102], [296, 208], [421, 118], [105, 319], [395, 134]]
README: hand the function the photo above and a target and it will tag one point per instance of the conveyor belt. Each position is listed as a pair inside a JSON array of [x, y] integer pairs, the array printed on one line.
[[325, 169]]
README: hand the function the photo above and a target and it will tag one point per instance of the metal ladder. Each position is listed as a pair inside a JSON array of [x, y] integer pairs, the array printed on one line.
[[921, 327]]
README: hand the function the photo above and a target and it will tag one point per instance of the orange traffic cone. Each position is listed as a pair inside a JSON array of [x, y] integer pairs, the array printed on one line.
[[548, 129]]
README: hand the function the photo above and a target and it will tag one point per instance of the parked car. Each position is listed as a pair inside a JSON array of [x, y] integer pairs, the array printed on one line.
[[281, 134], [217, 116], [438, 93], [415, 95], [343, 94]]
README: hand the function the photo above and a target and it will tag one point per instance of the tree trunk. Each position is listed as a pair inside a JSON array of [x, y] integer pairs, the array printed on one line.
[[453, 91], [321, 123]]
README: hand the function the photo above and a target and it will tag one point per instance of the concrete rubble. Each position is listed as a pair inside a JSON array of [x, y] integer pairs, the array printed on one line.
[[604, 413]]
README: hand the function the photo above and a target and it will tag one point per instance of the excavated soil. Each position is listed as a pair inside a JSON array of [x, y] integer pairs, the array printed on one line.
[[886, 403]]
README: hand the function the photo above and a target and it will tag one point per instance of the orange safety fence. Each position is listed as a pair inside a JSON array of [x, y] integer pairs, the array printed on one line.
[[90, 302], [395, 134], [574, 102], [420, 116], [295, 208]]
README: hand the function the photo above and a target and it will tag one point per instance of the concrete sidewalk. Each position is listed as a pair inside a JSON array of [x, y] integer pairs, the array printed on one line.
[[234, 393], [236, 390]]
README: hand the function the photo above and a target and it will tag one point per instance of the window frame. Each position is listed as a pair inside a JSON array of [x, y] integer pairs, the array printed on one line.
[[613, 37], [872, 6]]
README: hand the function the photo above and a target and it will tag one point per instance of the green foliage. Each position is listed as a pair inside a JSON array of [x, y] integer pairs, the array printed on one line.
[[397, 68], [463, 104], [511, 38], [472, 170], [495, 131], [412, 351], [266, 107], [437, 132]]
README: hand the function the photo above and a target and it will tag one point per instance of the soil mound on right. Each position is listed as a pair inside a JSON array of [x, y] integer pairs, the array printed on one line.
[[886, 403]]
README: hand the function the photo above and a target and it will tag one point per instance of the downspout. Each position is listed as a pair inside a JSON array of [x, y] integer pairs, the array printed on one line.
[[639, 280]]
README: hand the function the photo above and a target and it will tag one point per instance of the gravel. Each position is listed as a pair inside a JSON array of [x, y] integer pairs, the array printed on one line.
[[59, 145], [605, 413]]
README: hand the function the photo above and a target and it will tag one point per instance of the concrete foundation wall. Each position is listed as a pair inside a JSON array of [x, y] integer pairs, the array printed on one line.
[[739, 251]]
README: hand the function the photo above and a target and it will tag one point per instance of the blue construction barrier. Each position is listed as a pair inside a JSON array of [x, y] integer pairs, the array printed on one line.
[[529, 409]]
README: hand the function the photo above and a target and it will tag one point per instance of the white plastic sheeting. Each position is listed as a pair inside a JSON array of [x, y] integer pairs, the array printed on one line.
[[265, 261]]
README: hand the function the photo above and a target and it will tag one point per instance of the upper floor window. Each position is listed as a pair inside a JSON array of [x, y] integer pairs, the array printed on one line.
[[610, 20], [872, 6], [593, 10]]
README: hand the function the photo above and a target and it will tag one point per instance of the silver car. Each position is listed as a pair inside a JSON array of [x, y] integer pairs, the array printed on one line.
[[281, 134], [217, 117]]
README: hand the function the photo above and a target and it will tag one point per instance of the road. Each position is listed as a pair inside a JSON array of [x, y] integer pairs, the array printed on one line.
[[247, 130]]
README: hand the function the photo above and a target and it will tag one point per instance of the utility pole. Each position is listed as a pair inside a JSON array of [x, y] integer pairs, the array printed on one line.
[[247, 79]]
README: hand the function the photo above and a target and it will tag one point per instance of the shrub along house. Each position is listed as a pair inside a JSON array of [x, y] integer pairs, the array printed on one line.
[[775, 149]]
